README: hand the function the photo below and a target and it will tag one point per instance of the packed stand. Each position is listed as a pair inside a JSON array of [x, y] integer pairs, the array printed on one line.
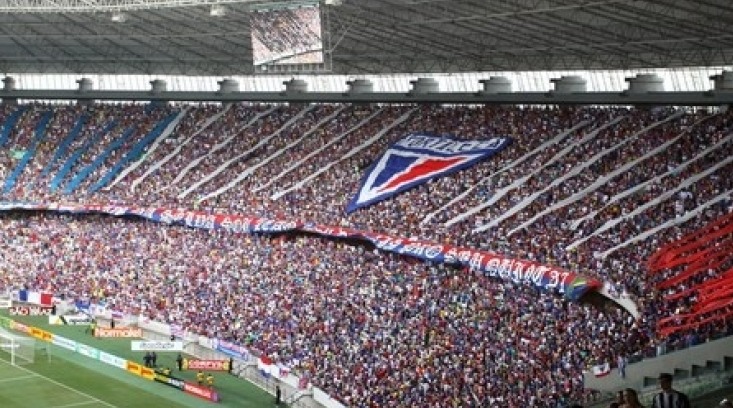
[[235, 147], [666, 171], [196, 157], [377, 318], [6, 112], [157, 166], [137, 127], [102, 125], [21, 136], [98, 119], [354, 125], [259, 150], [64, 120], [372, 329]]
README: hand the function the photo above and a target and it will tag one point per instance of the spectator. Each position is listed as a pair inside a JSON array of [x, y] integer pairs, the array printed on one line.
[[631, 399], [370, 327], [669, 397], [148, 360], [621, 363]]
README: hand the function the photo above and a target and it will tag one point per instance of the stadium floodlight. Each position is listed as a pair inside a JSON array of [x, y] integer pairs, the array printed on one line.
[[17, 350], [104, 6]]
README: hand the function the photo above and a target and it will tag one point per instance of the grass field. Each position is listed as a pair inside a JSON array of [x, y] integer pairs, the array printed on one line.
[[60, 378], [46, 385]]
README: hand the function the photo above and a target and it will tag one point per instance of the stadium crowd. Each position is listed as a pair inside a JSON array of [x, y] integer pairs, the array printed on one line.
[[286, 33], [63, 121], [373, 328]]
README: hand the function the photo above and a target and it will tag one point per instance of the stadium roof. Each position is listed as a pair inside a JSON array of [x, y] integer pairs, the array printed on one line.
[[172, 37]]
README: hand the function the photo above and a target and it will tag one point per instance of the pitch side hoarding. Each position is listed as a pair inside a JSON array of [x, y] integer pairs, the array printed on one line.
[[155, 345], [206, 365], [125, 332]]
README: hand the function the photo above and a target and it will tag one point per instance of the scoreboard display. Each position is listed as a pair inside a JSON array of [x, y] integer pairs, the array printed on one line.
[[286, 34]]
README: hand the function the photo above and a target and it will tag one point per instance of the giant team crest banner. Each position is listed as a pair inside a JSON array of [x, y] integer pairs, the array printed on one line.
[[418, 158], [520, 272]]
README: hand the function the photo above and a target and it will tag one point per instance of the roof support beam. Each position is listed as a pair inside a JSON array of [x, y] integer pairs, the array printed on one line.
[[542, 98], [97, 6]]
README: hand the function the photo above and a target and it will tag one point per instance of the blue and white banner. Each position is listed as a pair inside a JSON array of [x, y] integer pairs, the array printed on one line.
[[416, 159], [231, 349], [83, 306]]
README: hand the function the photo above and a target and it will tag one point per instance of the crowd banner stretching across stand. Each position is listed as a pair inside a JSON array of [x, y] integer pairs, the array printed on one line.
[[547, 278]]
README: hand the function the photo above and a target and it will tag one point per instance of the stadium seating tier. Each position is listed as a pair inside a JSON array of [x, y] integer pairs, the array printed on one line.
[[578, 189]]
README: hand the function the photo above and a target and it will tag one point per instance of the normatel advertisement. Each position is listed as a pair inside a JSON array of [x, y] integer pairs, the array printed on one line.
[[5, 303], [124, 332], [206, 365]]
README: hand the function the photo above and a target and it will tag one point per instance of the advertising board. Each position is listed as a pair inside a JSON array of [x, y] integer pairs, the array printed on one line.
[[30, 311], [125, 332], [206, 365], [156, 345]]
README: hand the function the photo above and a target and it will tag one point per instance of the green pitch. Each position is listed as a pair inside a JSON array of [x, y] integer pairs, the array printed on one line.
[[60, 378], [59, 384]]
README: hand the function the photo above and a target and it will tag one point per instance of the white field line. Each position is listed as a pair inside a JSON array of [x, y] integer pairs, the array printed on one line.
[[25, 377], [63, 386], [78, 404]]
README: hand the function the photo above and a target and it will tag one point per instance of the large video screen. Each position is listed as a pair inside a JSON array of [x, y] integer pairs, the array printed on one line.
[[288, 33]]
